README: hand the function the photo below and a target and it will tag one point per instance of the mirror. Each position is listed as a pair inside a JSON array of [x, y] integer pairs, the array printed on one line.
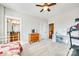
[[13, 29]]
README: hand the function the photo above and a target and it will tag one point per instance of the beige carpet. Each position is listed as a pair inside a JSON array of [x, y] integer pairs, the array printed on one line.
[[45, 48]]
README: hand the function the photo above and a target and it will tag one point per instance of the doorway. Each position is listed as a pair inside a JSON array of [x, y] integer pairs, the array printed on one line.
[[51, 30], [13, 29]]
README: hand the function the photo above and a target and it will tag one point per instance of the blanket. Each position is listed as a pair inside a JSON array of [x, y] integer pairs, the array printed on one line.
[[10, 49]]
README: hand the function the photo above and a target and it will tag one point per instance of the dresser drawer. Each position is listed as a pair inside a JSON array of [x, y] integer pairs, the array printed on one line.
[[14, 36], [34, 37]]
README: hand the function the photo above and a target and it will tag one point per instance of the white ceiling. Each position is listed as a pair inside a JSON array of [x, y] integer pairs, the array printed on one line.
[[31, 9]]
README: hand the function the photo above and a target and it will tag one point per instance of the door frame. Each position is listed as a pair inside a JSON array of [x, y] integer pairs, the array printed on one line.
[[50, 31], [6, 36]]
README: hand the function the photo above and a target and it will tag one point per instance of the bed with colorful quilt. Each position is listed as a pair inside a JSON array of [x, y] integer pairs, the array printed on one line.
[[11, 49]]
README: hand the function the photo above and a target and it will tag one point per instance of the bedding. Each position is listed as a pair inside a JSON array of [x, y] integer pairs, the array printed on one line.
[[11, 49]]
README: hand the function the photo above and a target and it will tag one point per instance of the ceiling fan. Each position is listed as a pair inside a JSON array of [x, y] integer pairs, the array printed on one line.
[[46, 6]]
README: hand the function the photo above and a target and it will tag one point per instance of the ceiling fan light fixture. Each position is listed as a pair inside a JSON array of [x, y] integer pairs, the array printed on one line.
[[45, 8]]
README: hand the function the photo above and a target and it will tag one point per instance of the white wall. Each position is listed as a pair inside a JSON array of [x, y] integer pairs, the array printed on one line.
[[29, 23], [32, 23], [64, 20], [2, 31], [1, 20]]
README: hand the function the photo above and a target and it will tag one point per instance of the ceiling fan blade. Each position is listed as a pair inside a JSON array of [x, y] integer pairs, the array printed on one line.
[[41, 10], [39, 5], [48, 9], [52, 4]]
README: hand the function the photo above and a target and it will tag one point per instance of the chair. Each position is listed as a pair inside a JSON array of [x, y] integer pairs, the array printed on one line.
[[73, 46]]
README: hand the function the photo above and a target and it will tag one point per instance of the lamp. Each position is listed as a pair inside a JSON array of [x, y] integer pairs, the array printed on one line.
[[45, 8], [14, 23]]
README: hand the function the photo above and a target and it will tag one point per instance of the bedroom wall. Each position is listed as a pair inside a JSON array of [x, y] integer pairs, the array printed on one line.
[[31, 23], [1, 9], [64, 20], [28, 23], [2, 31]]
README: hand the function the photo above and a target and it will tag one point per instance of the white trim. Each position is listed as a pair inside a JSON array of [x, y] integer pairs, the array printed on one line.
[[5, 29], [12, 17]]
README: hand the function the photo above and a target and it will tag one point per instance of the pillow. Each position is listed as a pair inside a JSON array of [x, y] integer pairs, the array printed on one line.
[[77, 26], [75, 33]]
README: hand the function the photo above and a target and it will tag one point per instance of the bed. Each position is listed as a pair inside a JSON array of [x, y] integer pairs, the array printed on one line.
[[11, 49]]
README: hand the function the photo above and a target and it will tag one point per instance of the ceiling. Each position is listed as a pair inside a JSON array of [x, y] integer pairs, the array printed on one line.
[[31, 9]]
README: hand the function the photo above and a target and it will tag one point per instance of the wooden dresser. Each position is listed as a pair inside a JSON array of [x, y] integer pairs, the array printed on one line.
[[14, 36], [34, 37]]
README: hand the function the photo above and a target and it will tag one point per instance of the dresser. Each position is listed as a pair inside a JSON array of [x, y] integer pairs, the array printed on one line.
[[14, 36], [33, 37]]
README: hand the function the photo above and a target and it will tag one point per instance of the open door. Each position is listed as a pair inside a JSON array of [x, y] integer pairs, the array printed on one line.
[[51, 30]]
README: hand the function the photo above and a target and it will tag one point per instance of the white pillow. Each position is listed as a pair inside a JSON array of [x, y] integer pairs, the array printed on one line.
[[75, 33]]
